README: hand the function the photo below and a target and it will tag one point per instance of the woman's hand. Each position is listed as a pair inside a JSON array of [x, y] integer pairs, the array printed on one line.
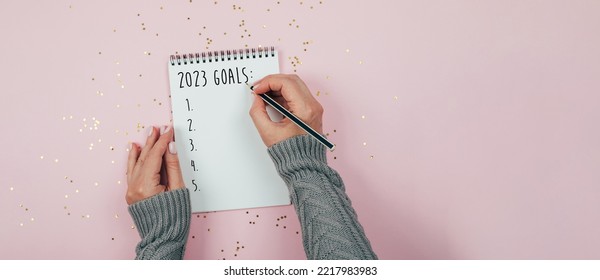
[[146, 165], [291, 92]]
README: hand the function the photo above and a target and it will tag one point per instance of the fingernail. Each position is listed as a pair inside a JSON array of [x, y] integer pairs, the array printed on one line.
[[164, 129], [129, 146], [151, 130], [172, 148], [254, 86]]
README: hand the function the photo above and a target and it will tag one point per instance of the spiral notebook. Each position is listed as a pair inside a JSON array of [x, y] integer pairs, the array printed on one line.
[[224, 162]]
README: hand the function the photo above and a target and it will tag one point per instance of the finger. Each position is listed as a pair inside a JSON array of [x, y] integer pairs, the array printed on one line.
[[258, 113], [291, 87], [174, 176], [152, 137], [154, 159], [134, 153], [281, 101]]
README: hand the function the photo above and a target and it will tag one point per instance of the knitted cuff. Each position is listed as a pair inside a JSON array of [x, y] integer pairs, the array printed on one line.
[[298, 154], [168, 208]]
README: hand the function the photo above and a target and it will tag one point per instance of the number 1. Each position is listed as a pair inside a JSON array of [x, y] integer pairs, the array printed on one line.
[[188, 104]]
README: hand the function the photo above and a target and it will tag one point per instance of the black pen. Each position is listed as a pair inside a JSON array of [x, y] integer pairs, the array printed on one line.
[[295, 119]]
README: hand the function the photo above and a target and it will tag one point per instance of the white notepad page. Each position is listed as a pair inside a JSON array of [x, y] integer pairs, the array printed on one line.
[[224, 162]]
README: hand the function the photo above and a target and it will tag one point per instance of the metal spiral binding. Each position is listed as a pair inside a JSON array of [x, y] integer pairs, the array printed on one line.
[[215, 56]]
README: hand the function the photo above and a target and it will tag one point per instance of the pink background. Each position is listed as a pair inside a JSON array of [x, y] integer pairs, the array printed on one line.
[[465, 129]]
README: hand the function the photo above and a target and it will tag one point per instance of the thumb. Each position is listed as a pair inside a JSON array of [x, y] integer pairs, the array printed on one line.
[[259, 115], [172, 167]]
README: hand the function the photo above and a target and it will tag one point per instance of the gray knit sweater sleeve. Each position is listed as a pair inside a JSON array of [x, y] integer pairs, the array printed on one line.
[[163, 222], [330, 228]]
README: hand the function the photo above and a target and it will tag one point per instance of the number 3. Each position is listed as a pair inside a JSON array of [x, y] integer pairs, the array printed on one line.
[[192, 143]]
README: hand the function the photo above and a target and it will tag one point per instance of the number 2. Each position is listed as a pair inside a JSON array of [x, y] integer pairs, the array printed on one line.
[[190, 124]]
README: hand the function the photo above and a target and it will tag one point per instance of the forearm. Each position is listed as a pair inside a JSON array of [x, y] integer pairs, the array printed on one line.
[[163, 222], [330, 228]]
